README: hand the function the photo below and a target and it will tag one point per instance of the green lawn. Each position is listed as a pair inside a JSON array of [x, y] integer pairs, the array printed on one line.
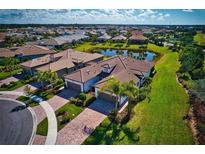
[[89, 46], [159, 121], [200, 38], [67, 112], [27, 100], [13, 86]]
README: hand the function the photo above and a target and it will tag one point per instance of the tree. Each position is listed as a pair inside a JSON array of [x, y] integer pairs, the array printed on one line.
[[131, 91], [114, 87], [199, 88], [27, 89], [41, 77]]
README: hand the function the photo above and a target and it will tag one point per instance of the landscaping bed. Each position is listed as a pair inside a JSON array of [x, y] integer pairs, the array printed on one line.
[[12, 85], [28, 101], [64, 115]]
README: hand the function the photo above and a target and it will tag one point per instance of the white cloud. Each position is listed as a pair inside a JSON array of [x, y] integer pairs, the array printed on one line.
[[187, 10]]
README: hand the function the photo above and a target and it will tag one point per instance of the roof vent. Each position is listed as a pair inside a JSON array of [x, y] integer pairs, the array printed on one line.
[[87, 71]]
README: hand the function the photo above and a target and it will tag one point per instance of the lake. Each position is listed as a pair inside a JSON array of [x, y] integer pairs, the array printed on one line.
[[148, 55]]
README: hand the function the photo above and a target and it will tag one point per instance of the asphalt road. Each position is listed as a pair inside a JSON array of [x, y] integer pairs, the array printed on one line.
[[15, 127]]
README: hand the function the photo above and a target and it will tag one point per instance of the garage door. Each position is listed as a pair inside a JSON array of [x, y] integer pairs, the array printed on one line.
[[74, 86], [106, 97]]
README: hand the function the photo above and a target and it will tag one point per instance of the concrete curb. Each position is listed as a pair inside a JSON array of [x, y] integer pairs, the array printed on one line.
[[33, 117]]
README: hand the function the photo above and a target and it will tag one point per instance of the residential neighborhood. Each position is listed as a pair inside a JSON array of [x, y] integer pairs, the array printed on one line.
[[91, 84]]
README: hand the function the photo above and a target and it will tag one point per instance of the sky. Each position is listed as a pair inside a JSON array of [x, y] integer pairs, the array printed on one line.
[[106, 16]]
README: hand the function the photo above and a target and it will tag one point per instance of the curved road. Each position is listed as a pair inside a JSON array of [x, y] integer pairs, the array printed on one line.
[[16, 127], [52, 121]]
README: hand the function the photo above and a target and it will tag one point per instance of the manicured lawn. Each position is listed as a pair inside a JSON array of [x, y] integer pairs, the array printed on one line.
[[4, 75], [66, 113], [27, 100], [159, 121], [13, 86], [89, 46], [200, 38]]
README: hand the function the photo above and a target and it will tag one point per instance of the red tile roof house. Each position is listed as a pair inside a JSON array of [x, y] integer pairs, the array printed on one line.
[[62, 63], [93, 77], [4, 52]]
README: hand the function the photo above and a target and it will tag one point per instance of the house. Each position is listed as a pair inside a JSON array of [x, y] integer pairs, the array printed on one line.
[[53, 43], [104, 37], [4, 52], [119, 39], [93, 77], [32, 51], [2, 38], [137, 39], [62, 63]]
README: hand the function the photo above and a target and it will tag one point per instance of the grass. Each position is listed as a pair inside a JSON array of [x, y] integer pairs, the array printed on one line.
[[4, 75], [67, 113], [159, 121], [46, 94], [200, 38], [86, 47], [27, 100], [13, 86]]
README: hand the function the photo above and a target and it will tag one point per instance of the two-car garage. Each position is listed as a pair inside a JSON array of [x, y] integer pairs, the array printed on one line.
[[73, 85]]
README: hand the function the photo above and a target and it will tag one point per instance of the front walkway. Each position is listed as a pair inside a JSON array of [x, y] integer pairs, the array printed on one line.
[[91, 117]]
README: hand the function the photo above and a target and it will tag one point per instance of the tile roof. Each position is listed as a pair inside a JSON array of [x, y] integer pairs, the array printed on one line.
[[119, 37], [33, 50], [4, 52]]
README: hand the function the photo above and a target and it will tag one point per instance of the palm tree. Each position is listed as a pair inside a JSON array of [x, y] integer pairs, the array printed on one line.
[[114, 87], [132, 92], [41, 77]]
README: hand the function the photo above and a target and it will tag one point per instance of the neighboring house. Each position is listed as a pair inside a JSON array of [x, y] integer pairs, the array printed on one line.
[[93, 77], [119, 39], [32, 51], [2, 38], [104, 38], [53, 43], [4, 52], [137, 39], [62, 63]]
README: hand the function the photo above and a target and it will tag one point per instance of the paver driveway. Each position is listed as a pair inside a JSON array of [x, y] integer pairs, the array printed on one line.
[[91, 117]]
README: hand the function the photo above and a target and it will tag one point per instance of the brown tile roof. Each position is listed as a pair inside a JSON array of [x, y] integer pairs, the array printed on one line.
[[54, 42], [122, 76], [6, 52], [61, 60], [138, 37], [33, 50], [119, 37], [117, 63]]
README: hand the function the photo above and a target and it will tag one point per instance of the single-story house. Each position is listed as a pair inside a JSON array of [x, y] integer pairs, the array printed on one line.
[[93, 77], [4, 52], [119, 39], [104, 37], [137, 39], [53, 43], [62, 63], [32, 51]]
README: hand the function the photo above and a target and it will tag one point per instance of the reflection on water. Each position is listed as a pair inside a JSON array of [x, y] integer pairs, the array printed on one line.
[[149, 56]]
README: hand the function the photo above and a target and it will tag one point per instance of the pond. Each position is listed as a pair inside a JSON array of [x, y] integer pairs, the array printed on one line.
[[147, 55]]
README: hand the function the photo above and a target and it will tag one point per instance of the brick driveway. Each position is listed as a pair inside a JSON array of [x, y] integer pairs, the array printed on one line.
[[73, 132]]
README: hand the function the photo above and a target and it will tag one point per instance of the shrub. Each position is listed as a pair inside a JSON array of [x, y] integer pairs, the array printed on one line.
[[88, 101], [65, 120], [82, 96]]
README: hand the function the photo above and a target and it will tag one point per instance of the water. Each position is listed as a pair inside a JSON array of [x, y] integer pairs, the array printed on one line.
[[149, 56]]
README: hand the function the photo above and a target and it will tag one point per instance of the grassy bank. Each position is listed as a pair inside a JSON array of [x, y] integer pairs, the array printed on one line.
[[159, 121]]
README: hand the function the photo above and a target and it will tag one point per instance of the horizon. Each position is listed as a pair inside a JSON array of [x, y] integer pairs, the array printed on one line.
[[104, 17]]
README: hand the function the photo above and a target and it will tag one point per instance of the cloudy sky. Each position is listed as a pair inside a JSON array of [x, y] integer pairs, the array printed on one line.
[[94, 16]]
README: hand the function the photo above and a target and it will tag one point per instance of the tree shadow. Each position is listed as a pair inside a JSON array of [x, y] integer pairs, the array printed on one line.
[[19, 108]]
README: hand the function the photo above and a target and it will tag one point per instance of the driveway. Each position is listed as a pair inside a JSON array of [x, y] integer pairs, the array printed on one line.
[[16, 127], [62, 98], [91, 117]]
